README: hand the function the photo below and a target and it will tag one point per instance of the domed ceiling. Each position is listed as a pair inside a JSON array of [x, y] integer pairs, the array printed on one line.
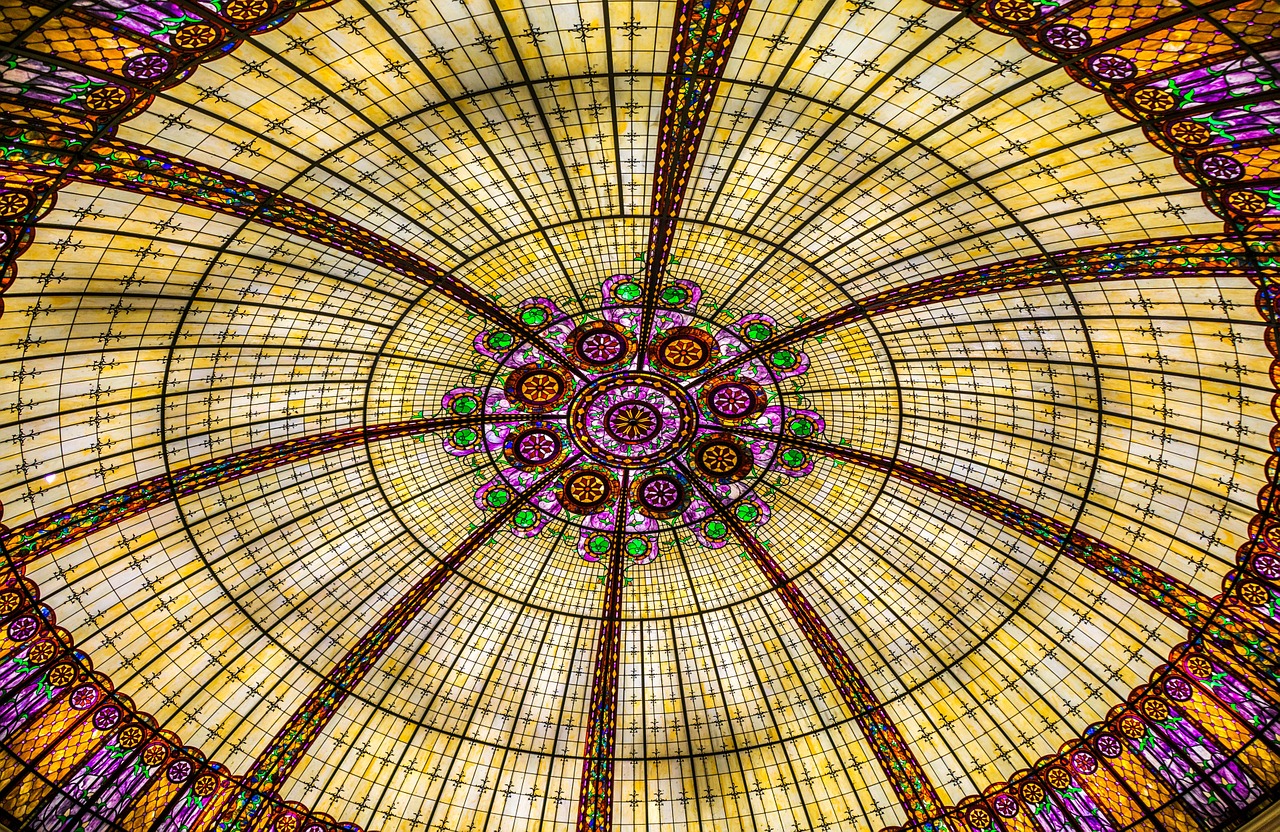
[[460, 415]]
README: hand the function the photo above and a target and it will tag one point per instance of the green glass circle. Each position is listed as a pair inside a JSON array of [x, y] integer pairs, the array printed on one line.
[[715, 529], [500, 340], [628, 291], [747, 512], [785, 359], [675, 295], [533, 316], [464, 437], [636, 547], [525, 518], [497, 498], [793, 458], [598, 544], [464, 405], [801, 427], [757, 331]]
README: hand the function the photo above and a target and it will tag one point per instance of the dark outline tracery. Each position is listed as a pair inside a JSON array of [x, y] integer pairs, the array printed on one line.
[[701, 42]]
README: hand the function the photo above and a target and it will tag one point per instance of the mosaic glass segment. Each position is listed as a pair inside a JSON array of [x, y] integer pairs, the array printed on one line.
[[440, 416]]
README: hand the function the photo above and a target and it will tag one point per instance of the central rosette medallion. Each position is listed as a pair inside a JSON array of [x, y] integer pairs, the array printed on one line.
[[632, 420], [651, 443]]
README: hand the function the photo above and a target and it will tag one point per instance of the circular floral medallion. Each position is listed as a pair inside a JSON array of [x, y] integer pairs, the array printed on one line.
[[463, 404], [979, 818], [496, 342], [1132, 727], [1199, 667], [247, 11], [1066, 38], [537, 447], [1112, 67], [62, 675], [1270, 531], [1189, 133], [1013, 11], [155, 754], [673, 296], [196, 36], [755, 329], [1005, 806], [41, 652], [1153, 100], [1058, 778], [632, 419], [178, 771], [588, 490], [1268, 566], [660, 495], [633, 422], [732, 400], [721, 458], [628, 291], [106, 718], [684, 351], [535, 314], [205, 785], [599, 345], [1254, 594], [752, 512], [21, 629], [794, 459], [1108, 746], [84, 697], [1221, 168], [1084, 762], [1155, 709], [802, 426], [1179, 689], [106, 99], [131, 736], [13, 203], [537, 389], [464, 437], [1249, 203], [147, 67]]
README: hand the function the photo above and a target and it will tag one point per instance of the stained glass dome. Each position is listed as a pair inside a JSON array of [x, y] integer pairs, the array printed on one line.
[[454, 415]]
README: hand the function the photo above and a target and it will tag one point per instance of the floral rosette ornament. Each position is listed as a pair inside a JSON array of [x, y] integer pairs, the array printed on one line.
[[677, 434]]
